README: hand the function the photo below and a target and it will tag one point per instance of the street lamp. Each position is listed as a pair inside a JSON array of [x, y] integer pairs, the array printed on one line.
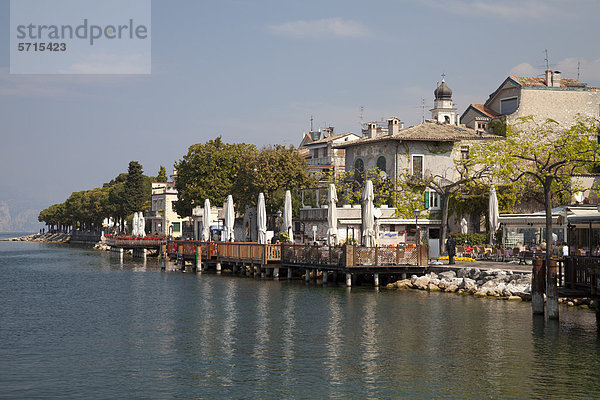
[[416, 212], [171, 231]]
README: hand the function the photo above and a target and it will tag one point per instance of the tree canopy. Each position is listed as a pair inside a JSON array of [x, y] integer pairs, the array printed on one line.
[[162, 174], [272, 171], [88, 208], [545, 156], [209, 171]]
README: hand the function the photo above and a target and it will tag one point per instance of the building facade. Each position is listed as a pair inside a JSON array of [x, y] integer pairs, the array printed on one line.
[[323, 158], [550, 96], [162, 218], [427, 149]]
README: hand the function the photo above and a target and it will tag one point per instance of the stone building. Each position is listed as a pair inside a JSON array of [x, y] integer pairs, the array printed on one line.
[[551, 96], [318, 148], [427, 149]]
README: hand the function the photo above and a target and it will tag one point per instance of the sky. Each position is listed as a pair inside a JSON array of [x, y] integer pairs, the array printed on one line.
[[256, 71]]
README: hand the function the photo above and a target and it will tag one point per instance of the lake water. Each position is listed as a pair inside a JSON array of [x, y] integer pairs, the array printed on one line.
[[76, 323]]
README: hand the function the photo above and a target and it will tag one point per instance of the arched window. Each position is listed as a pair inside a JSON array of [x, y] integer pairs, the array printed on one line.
[[359, 168], [381, 163]]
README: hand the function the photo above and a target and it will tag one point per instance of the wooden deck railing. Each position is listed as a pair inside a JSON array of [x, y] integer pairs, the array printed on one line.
[[351, 256], [134, 243], [386, 256], [249, 252], [582, 272], [334, 257], [300, 254]]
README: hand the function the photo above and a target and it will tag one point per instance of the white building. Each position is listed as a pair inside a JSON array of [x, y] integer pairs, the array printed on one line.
[[163, 218]]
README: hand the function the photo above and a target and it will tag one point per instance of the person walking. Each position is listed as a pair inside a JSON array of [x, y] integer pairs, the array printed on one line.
[[451, 249]]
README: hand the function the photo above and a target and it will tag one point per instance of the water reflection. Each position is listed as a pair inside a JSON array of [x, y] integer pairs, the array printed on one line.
[[74, 322], [334, 343], [229, 327], [262, 330]]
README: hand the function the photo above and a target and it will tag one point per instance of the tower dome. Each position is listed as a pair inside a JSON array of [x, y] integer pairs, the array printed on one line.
[[443, 92]]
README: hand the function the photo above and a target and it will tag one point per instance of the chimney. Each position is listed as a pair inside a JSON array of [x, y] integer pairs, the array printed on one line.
[[556, 78], [393, 126], [457, 119], [372, 130], [401, 125], [548, 77]]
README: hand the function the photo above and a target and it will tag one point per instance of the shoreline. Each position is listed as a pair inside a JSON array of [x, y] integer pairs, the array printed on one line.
[[492, 283], [41, 237], [495, 281]]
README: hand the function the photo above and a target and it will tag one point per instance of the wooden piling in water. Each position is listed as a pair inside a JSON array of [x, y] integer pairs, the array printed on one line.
[[537, 287], [551, 291]]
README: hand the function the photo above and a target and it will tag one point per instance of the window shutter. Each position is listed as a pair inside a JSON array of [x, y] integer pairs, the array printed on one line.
[[426, 200], [441, 201]]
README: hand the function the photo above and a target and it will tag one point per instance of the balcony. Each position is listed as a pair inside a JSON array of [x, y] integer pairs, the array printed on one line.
[[157, 214]]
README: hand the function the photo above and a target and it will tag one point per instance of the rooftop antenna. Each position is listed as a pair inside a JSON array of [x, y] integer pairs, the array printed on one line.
[[311, 123], [547, 61], [423, 109], [578, 69]]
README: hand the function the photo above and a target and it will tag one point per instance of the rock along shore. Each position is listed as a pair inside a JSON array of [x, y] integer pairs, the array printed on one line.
[[42, 237], [472, 281], [492, 283]]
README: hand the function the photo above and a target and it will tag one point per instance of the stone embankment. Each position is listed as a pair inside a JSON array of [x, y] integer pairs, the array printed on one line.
[[491, 283], [42, 237], [472, 281]]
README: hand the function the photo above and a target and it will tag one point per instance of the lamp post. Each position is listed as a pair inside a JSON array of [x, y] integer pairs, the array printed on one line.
[[416, 212], [171, 231]]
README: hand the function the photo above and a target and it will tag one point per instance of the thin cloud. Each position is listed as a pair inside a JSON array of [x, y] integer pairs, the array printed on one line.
[[588, 70], [321, 28], [508, 10], [99, 64], [525, 69]]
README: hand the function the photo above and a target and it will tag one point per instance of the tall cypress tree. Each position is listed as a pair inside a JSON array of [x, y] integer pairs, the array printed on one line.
[[162, 175], [134, 188]]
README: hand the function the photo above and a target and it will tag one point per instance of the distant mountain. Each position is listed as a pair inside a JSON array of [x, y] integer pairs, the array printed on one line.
[[23, 221]]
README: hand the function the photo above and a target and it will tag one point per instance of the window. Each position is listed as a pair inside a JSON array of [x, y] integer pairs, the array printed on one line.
[[509, 106], [359, 168], [432, 200], [176, 227], [417, 166], [464, 152], [381, 163]]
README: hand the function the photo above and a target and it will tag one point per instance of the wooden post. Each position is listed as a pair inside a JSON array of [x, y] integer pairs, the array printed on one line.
[[307, 275], [537, 287], [349, 280], [324, 277], [180, 259], [199, 259], [289, 272], [551, 291], [376, 280], [350, 251]]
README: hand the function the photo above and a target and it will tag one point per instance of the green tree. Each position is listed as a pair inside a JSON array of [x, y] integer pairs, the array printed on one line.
[[544, 156], [208, 171], [162, 175], [272, 171], [135, 188]]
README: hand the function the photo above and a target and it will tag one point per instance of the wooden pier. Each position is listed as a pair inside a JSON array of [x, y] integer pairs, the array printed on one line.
[[350, 262]]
